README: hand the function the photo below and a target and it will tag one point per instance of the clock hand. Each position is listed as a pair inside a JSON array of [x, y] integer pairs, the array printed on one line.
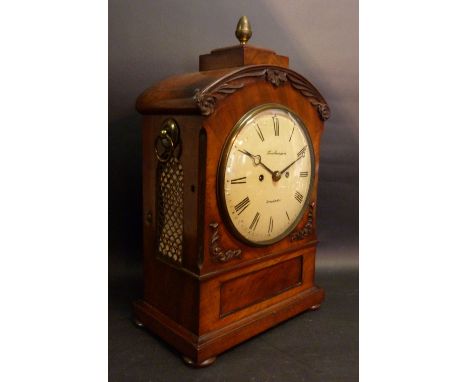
[[284, 169], [257, 161], [302, 155]]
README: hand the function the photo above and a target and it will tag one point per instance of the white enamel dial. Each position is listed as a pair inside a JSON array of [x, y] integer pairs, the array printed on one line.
[[266, 174]]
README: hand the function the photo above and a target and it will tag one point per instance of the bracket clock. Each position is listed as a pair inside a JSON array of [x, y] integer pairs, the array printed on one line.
[[230, 171]]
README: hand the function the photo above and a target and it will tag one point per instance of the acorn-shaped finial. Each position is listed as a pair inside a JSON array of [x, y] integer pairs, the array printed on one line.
[[243, 30]]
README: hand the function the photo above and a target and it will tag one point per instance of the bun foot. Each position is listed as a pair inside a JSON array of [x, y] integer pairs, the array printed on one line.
[[315, 307], [192, 363], [138, 323]]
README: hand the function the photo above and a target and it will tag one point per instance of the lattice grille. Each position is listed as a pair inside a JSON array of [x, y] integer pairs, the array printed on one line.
[[170, 186]]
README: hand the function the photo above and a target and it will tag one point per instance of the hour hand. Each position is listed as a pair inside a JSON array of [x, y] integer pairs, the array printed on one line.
[[257, 159]]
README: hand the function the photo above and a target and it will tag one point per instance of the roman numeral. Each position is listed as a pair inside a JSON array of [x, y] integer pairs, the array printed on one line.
[[287, 215], [254, 223], [304, 174], [298, 196], [292, 133], [302, 152], [239, 180], [270, 226], [242, 205], [259, 132], [276, 125]]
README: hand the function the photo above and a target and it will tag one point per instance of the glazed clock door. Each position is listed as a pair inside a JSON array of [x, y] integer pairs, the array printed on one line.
[[266, 174]]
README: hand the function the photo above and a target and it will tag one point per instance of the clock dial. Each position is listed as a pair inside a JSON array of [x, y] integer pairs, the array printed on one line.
[[266, 174]]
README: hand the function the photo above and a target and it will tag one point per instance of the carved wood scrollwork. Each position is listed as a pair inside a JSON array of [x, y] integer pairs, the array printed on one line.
[[219, 254], [311, 94], [276, 77], [308, 228], [207, 98], [207, 102]]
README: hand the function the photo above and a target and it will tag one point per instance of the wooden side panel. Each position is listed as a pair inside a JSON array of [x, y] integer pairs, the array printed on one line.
[[220, 307], [261, 285], [189, 156], [175, 294], [149, 200], [166, 288]]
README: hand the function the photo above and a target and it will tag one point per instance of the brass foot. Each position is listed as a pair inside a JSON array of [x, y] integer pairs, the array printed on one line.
[[315, 307], [138, 323], [192, 363]]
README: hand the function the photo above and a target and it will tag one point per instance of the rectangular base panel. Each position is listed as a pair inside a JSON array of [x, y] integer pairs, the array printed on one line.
[[201, 348]]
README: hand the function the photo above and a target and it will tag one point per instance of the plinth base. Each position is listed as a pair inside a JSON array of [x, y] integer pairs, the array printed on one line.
[[201, 350]]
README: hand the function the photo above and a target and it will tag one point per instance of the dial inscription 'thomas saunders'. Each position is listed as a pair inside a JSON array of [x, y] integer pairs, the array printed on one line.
[[266, 174]]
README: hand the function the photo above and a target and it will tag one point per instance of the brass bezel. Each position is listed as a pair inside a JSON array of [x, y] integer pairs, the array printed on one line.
[[222, 165]]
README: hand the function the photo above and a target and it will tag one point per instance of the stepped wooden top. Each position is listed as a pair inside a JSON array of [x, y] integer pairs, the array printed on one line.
[[240, 55]]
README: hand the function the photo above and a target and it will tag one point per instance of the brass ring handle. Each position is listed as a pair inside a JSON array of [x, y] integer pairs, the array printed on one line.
[[167, 153]]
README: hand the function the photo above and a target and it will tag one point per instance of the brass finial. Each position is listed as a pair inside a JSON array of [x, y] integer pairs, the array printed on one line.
[[243, 30]]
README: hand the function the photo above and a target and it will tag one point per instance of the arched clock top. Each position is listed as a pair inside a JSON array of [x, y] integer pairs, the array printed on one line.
[[200, 92], [207, 98]]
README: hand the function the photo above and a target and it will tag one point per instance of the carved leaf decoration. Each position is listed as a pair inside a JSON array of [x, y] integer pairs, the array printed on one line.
[[308, 227], [276, 77], [219, 254], [312, 95], [324, 111], [254, 73], [206, 103], [228, 88], [207, 98]]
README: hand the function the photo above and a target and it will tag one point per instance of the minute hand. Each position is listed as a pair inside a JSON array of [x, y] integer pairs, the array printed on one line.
[[284, 169]]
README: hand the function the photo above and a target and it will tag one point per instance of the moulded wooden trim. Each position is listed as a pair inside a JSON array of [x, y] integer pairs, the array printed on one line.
[[247, 263], [200, 92]]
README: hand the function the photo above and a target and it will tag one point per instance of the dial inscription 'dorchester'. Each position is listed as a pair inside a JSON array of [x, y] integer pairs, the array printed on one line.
[[267, 175]]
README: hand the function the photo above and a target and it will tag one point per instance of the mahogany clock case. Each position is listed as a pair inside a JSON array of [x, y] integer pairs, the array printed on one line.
[[221, 291], [334, 210]]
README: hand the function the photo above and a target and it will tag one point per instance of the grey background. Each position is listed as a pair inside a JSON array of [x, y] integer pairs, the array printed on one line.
[[152, 39]]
